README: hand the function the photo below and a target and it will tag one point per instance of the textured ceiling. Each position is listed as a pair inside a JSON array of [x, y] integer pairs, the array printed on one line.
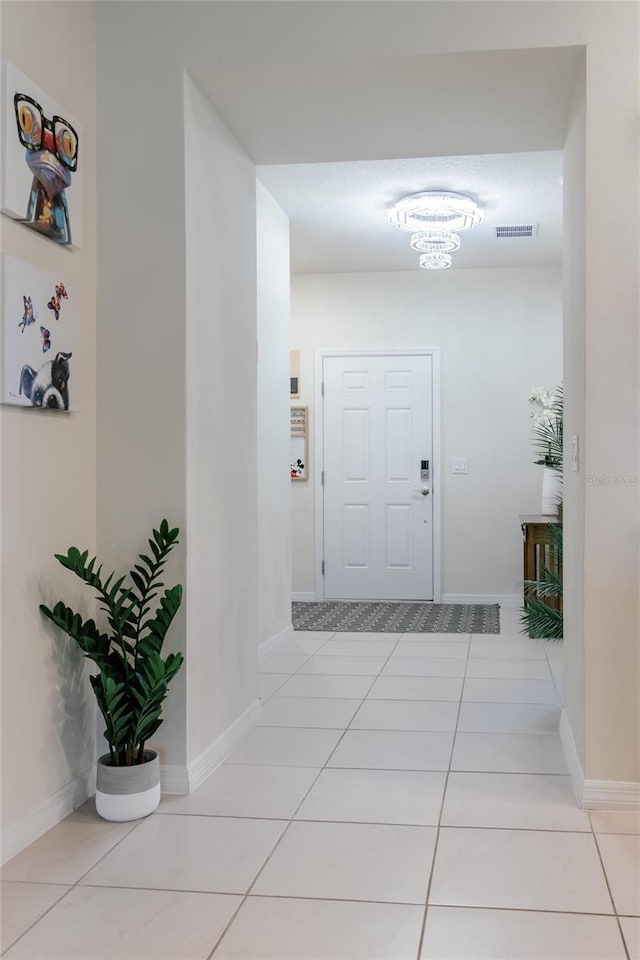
[[491, 124], [338, 211]]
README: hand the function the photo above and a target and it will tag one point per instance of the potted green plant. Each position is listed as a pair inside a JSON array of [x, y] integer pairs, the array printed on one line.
[[133, 678], [542, 614], [547, 438]]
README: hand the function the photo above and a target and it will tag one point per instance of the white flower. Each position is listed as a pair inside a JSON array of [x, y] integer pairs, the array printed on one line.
[[541, 420], [541, 397], [542, 401]]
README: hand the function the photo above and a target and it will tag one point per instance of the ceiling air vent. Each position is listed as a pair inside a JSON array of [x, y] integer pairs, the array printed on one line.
[[518, 230]]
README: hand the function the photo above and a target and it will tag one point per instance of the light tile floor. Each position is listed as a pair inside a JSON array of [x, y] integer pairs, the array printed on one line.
[[404, 796]]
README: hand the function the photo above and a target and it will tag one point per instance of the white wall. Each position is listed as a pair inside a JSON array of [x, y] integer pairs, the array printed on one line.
[[574, 197], [499, 334], [177, 393], [612, 413], [178, 385], [49, 477], [142, 253], [141, 372], [274, 514], [221, 570]]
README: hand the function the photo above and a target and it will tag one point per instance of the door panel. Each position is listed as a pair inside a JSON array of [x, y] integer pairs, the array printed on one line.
[[355, 380], [378, 527], [356, 446], [398, 440], [356, 535], [398, 535]]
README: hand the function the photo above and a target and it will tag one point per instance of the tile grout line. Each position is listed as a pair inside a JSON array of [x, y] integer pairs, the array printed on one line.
[[4, 949], [609, 891], [481, 733], [559, 691], [285, 831], [292, 818], [71, 886], [365, 696], [294, 766], [439, 825], [272, 696], [408, 903], [503, 703], [307, 656], [412, 676], [375, 679], [372, 823]]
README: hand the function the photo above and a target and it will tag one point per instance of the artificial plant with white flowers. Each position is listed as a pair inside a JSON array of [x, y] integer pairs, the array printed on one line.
[[547, 416], [540, 618]]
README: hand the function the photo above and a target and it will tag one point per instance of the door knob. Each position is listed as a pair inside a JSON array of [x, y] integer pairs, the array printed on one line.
[[424, 491]]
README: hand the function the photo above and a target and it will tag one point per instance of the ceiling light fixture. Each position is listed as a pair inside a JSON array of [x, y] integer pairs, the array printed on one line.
[[435, 219], [436, 212], [435, 261], [427, 242]]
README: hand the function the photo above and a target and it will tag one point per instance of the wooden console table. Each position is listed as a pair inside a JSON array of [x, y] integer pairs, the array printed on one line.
[[537, 551]]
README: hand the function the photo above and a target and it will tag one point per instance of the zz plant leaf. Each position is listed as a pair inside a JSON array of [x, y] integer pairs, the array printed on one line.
[[133, 678]]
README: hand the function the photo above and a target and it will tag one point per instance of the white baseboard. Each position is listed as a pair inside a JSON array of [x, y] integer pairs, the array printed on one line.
[[46, 814], [571, 756], [174, 778], [267, 647], [177, 779], [611, 795], [504, 599], [219, 750], [595, 794]]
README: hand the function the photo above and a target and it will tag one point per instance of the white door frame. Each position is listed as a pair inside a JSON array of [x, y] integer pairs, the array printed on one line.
[[318, 459]]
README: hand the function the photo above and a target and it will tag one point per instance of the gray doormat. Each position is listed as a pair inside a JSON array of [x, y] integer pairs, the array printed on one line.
[[384, 617]]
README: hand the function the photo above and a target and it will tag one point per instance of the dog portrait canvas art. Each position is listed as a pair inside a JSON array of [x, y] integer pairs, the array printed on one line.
[[41, 179], [40, 349]]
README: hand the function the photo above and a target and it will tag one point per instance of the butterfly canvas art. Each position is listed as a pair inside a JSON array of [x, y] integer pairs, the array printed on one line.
[[28, 317], [40, 349], [55, 303]]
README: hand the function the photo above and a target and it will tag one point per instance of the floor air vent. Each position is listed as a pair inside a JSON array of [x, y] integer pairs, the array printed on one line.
[[519, 230]]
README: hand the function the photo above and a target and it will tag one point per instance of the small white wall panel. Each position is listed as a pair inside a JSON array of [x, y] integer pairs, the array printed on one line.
[[356, 445], [356, 535], [398, 546], [398, 445]]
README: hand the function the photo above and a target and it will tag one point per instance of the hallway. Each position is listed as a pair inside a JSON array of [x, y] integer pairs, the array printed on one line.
[[316, 838]]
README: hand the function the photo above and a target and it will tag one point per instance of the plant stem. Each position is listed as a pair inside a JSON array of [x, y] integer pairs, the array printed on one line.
[[141, 752]]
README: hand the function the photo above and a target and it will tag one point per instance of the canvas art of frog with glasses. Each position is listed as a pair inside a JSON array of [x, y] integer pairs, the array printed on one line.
[[51, 146]]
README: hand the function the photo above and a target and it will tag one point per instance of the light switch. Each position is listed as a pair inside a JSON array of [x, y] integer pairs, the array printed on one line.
[[574, 455], [459, 465]]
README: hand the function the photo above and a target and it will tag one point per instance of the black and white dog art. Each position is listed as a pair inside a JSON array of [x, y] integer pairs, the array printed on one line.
[[48, 387]]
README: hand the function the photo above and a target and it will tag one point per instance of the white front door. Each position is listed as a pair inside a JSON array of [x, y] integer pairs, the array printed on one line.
[[378, 465]]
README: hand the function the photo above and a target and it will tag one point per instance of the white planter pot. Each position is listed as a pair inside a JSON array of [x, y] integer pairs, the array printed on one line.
[[128, 793], [551, 491]]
